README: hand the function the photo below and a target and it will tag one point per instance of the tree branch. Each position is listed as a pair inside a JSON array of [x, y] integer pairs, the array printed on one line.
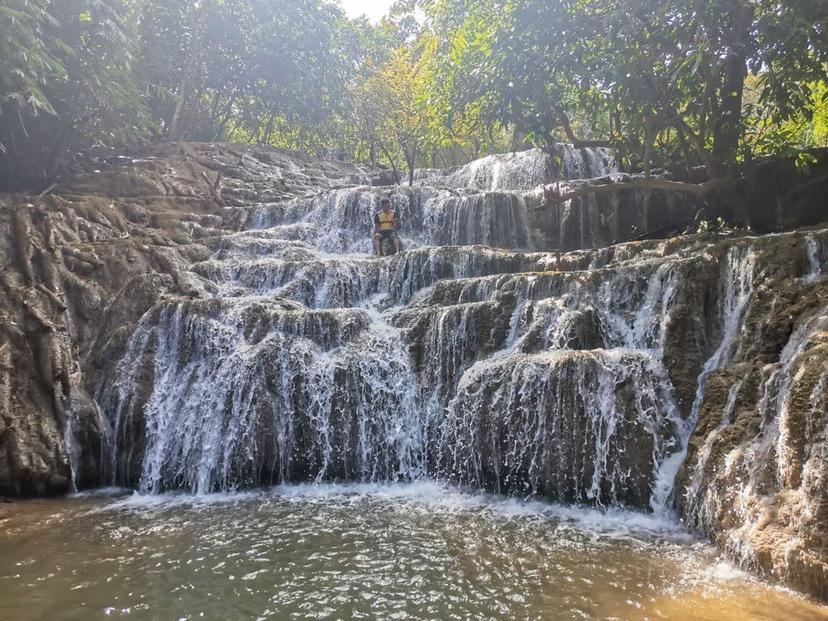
[[570, 133], [553, 195], [391, 161]]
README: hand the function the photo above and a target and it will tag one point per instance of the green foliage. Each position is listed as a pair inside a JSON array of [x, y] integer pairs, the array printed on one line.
[[75, 74], [27, 61], [661, 80], [65, 84], [244, 67], [393, 108], [668, 83], [803, 129]]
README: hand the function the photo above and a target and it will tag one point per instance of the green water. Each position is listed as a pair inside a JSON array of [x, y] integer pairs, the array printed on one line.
[[363, 552]]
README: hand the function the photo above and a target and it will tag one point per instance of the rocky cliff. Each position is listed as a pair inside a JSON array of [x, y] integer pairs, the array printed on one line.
[[207, 317], [81, 267]]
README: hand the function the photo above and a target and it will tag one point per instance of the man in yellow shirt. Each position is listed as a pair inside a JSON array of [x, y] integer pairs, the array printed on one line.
[[385, 226]]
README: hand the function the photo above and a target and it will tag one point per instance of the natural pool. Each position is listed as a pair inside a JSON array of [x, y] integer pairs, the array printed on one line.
[[416, 551]]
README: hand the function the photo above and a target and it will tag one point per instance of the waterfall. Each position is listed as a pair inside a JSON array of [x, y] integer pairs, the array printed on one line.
[[475, 356], [72, 448], [736, 287], [775, 404], [694, 493], [772, 454], [815, 255], [523, 170], [557, 424]]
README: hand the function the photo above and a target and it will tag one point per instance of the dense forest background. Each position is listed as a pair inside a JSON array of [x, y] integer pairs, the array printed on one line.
[[693, 86]]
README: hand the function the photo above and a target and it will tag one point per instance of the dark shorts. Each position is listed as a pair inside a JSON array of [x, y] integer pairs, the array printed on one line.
[[387, 234]]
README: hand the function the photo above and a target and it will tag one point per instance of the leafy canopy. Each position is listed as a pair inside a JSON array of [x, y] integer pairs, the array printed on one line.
[[687, 85]]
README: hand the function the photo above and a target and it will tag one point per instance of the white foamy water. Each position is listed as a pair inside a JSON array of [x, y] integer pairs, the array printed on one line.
[[523, 170], [816, 257]]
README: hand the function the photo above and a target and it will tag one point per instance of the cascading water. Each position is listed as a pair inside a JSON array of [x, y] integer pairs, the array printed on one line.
[[815, 252], [489, 365], [766, 400], [523, 170], [735, 286]]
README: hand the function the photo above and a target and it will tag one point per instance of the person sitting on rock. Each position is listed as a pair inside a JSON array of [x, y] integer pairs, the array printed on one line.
[[385, 226]]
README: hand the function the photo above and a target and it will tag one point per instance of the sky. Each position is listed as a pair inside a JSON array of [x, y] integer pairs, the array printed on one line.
[[374, 9]]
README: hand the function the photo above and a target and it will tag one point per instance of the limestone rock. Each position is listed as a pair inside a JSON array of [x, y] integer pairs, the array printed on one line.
[[209, 317]]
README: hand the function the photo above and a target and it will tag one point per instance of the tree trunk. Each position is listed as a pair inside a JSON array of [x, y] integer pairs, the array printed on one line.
[[174, 133], [411, 160], [554, 195], [391, 161], [226, 117], [189, 75], [517, 139], [563, 119], [727, 128]]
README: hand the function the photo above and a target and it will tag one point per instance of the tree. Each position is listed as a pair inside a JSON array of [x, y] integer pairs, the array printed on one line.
[[65, 84], [661, 80], [27, 61], [76, 74], [393, 109], [686, 85]]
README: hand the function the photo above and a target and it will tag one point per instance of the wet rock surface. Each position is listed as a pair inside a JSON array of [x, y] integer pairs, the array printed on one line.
[[756, 478], [80, 269], [208, 317]]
